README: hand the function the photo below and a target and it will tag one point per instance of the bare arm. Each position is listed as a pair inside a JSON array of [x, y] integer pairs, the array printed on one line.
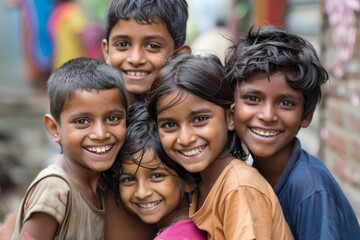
[[39, 226], [7, 227]]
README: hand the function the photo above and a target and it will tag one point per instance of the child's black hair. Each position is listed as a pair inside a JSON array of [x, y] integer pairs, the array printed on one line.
[[203, 77], [269, 50], [142, 136], [174, 13], [82, 74]]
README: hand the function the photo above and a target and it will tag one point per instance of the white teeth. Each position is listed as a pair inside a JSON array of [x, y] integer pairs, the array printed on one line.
[[136, 74], [193, 152], [265, 133], [149, 205], [99, 149]]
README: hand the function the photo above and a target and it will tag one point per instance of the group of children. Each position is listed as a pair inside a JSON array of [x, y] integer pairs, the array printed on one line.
[[172, 166]]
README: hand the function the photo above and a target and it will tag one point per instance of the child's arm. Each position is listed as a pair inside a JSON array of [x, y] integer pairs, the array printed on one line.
[[44, 207], [7, 227], [39, 226]]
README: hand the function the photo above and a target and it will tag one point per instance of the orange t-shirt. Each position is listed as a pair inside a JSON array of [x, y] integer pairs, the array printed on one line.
[[241, 205]]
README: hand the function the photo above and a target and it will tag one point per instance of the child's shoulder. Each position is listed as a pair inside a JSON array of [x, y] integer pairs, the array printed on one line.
[[310, 174], [52, 182], [48, 193], [51, 174], [239, 174], [307, 166]]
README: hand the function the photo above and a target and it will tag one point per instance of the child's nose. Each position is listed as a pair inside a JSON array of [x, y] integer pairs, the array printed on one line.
[[268, 113], [100, 132], [136, 56], [185, 136], [143, 190]]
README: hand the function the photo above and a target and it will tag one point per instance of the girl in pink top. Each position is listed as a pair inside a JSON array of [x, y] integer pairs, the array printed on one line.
[[156, 192]]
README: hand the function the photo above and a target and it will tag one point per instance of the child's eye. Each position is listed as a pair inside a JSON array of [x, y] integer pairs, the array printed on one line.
[[252, 98], [287, 104], [157, 177], [122, 44], [127, 180], [169, 125], [114, 119], [81, 121], [200, 119], [153, 46]]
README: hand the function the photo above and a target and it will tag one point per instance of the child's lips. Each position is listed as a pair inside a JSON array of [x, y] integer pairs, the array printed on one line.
[[193, 152], [149, 204], [265, 133], [132, 73], [99, 149]]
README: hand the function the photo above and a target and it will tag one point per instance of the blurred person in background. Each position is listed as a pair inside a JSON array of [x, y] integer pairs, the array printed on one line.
[[67, 25], [36, 41]]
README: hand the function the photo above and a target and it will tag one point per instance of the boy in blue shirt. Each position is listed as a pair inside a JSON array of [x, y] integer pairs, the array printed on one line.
[[276, 78]]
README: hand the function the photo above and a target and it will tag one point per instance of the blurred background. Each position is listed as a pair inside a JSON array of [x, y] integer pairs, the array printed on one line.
[[28, 54]]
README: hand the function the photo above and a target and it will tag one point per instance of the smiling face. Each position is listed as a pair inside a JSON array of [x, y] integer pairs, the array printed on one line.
[[91, 130], [151, 191], [193, 131], [268, 115], [138, 52]]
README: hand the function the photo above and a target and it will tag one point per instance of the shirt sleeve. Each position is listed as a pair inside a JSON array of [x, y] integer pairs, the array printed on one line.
[[247, 215], [322, 212], [49, 196]]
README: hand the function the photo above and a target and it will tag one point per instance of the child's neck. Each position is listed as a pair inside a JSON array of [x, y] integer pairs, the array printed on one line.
[[86, 181], [180, 214], [210, 175], [269, 172], [134, 98], [271, 167]]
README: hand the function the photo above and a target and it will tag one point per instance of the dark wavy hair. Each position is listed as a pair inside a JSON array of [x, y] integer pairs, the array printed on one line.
[[269, 50]]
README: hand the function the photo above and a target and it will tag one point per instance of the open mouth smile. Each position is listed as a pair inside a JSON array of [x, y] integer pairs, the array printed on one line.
[[102, 149], [136, 73], [263, 133], [193, 152], [149, 205]]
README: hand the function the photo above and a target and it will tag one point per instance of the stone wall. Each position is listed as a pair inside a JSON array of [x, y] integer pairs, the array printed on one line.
[[340, 119]]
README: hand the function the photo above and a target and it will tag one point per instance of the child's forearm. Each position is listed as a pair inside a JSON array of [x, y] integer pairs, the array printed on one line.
[[7, 227]]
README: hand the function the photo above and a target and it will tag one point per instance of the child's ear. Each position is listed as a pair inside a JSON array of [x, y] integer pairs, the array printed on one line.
[[52, 127], [230, 118], [184, 49], [105, 51], [305, 122]]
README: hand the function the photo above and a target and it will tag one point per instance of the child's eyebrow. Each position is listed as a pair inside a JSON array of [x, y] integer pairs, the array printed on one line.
[[192, 113], [147, 37], [164, 119], [80, 114], [200, 110], [154, 36]]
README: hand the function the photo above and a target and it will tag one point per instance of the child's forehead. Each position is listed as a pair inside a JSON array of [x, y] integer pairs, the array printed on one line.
[[108, 95], [147, 159], [133, 27], [261, 76]]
